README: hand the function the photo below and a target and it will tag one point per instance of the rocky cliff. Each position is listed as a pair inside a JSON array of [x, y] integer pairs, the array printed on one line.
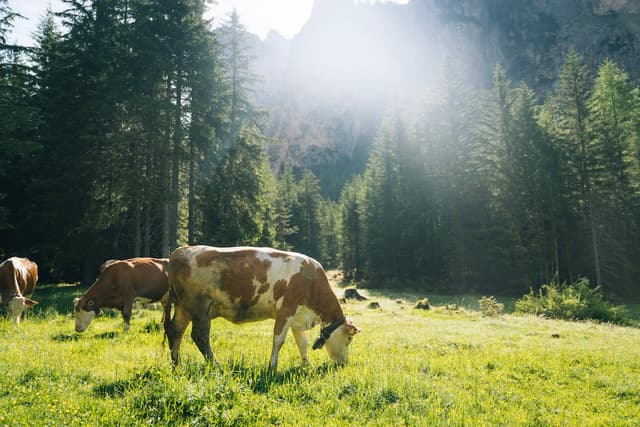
[[329, 86]]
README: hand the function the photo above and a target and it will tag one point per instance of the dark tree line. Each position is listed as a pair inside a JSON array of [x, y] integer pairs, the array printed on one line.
[[131, 130], [505, 193]]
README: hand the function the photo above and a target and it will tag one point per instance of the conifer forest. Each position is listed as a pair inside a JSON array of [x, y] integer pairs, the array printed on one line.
[[131, 128]]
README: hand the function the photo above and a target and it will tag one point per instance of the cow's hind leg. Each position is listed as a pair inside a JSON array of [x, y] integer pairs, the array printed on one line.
[[200, 334], [175, 331]]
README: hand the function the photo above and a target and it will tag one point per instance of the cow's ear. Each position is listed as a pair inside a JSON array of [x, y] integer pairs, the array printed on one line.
[[351, 328], [29, 302]]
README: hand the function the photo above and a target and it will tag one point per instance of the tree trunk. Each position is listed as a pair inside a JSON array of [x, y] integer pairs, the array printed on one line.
[[165, 182], [594, 245], [192, 196], [175, 176], [137, 197], [137, 232], [147, 231]]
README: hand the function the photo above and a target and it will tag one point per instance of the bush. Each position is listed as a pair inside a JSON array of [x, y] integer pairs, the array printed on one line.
[[576, 301], [490, 307]]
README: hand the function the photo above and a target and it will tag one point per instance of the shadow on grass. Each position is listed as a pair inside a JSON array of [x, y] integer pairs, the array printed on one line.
[[75, 336], [107, 335], [119, 387], [260, 378], [66, 337]]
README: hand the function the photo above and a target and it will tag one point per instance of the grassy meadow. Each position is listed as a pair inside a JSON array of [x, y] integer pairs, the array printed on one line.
[[408, 367]]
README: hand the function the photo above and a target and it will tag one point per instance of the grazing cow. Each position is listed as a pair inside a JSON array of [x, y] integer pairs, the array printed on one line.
[[245, 284], [119, 284], [106, 264], [18, 277]]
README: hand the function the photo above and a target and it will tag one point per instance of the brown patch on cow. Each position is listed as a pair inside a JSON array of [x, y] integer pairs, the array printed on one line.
[[179, 265], [308, 270], [279, 288], [313, 291], [240, 271], [124, 280], [12, 279], [255, 300], [204, 259], [264, 288], [106, 264]]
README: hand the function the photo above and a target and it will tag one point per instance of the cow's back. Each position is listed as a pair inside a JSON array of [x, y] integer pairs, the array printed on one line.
[[145, 277], [31, 277], [242, 284], [7, 283], [18, 276]]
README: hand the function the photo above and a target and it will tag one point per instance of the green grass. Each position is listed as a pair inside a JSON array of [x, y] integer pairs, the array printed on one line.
[[408, 367]]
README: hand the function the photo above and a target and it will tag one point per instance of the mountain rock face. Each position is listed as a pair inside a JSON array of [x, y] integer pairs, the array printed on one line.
[[329, 87]]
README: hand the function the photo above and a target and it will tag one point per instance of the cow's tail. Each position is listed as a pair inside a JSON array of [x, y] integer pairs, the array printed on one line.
[[166, 315]]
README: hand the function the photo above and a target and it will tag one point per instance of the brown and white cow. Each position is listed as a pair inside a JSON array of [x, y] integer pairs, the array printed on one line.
[[18, 277], [244, 284], [119, 284]]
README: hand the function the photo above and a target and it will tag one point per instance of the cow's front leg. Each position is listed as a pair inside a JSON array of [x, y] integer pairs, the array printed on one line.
[[127, 309], [279, 335], [301, 339]]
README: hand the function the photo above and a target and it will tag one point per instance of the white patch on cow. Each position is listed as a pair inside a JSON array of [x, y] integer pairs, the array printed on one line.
[[83, 318], [281, 268], [337, 345], [304, 318], [16, 306], [22, 270]]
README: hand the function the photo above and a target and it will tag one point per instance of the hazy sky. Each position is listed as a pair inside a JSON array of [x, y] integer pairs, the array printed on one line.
[[259, 16]]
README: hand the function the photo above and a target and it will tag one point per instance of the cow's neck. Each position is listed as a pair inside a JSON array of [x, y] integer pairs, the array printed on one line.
[[330, 310]]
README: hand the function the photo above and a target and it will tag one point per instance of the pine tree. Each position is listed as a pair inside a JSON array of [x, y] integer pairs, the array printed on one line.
[[612, 125], [240, 81], [352, 229], [381, 203], [286, 202], [206, 123], [307, 215], [574, 132], [235, 194]]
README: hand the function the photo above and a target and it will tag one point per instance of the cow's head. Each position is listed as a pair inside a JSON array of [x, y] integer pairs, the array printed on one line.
[[85, 310], [336, 339], [18, 304]]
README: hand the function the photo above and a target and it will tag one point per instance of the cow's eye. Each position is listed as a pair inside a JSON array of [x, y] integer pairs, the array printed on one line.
[[91, 303]]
